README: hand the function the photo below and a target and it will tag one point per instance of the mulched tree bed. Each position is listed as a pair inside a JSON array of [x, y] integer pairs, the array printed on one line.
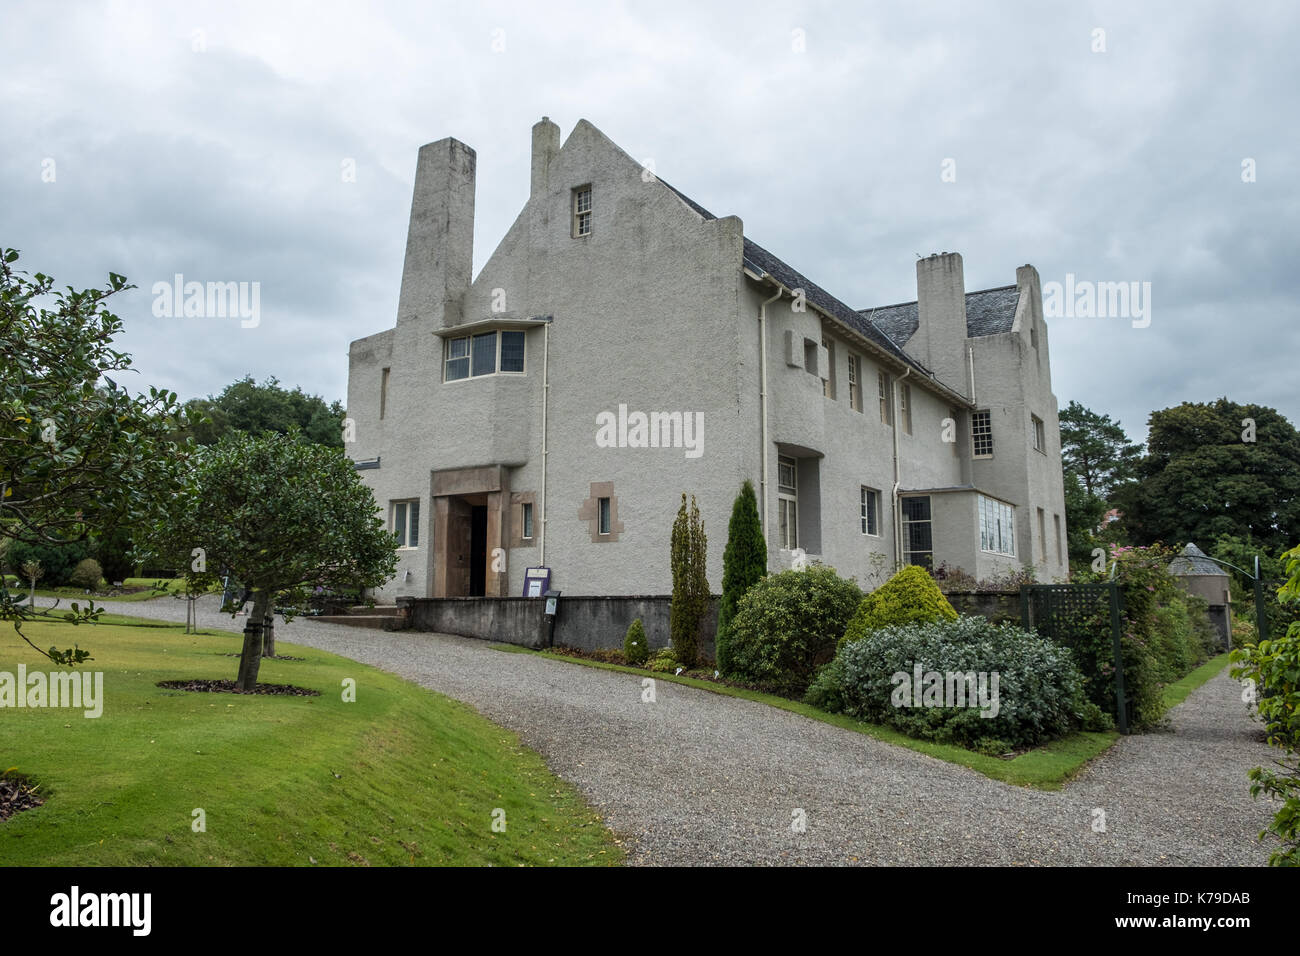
[[270, 657], [16, 795], [228, 687]]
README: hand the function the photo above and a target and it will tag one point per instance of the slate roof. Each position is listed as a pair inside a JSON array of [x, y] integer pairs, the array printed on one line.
[[987, 312], [760, 260], [1192, 560]]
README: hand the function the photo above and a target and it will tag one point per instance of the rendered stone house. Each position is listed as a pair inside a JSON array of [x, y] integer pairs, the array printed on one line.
[[622, 345]]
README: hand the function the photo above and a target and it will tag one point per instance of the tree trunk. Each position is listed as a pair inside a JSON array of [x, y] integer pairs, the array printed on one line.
[[250, 660], [268, 632]]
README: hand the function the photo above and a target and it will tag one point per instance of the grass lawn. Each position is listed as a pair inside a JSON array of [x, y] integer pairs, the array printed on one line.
[[174, 586], [402, 776], [1177, 692]]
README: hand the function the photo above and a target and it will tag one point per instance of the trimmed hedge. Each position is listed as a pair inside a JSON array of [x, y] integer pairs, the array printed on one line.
[[910, 596], [787, 625], [1039, 692]]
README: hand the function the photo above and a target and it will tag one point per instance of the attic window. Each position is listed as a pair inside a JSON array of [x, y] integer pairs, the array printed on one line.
[[582, 212]]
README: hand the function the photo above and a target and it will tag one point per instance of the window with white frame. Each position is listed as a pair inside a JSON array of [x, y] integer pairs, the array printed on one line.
[[527, 517], [855, 383], [905, 407], [1040, 438], [582, 212], [997, 526], [787, 502], [882, 386], [828, 373], [918, 533], [487, 353], [405, 524], [603, 516], [981, 434], [870, 512]]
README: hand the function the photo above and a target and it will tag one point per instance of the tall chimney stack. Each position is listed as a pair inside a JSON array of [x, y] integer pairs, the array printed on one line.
[[940, 341], [546, 143], [440, 239]]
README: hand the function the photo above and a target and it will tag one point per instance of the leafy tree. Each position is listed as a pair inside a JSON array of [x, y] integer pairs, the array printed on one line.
[[78, 453], [1096, 449], [690, 602], [282, 516], [253, 408], [1204, 476], [1083, 516], [1273, 669], [744, 564]]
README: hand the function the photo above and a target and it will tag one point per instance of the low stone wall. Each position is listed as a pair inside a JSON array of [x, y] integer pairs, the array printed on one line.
[[998, 607], [587, 623]]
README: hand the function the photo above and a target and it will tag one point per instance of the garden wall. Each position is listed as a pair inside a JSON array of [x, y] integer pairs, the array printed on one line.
[[587, 623], [999, 607]]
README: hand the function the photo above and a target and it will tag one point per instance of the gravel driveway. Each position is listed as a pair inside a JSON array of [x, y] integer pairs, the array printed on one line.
[[700, 778]]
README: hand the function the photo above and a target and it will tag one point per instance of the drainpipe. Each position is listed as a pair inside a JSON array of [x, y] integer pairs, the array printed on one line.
[[898, 502], [762, 394], [546, 399]]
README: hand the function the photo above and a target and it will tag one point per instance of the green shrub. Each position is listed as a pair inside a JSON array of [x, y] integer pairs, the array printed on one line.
[[786, 626], [664, 662], [635, 649], [58, 560], [744, 564], [688, 551], [909, 596], [86, 575], [1093, 718], [1038, 693], [826, 692], [1273, 667]]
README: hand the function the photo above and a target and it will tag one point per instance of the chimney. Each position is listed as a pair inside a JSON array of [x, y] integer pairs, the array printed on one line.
[[546, 143], [440, 238], [940, 341], [1031, 288]]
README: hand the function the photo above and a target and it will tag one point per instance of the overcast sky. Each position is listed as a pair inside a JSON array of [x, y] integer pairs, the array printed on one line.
[[210, 140]]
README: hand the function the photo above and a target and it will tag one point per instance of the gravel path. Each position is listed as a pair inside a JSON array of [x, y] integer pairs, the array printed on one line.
[[700, 778]]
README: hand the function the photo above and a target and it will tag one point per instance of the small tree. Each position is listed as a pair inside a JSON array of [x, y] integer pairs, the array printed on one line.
[[689, 552], [33, 571], [744, 564], [87, 574], [635, 649], [283, 516]]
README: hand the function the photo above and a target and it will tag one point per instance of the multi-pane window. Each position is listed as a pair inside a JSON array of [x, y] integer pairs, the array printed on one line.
[[406, 523], [870, 514], [787, 502], [1040, 440], [457, 359], [582, 211], [997, 526], [855, 384], [905, 407], [981, 434], [603, 512], [527, 531], [918, 537], [882, 386], [484, 354]]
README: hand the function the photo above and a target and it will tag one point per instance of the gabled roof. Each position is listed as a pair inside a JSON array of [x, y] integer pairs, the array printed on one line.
[[988, 312], [761, 261], [1192, 560]]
